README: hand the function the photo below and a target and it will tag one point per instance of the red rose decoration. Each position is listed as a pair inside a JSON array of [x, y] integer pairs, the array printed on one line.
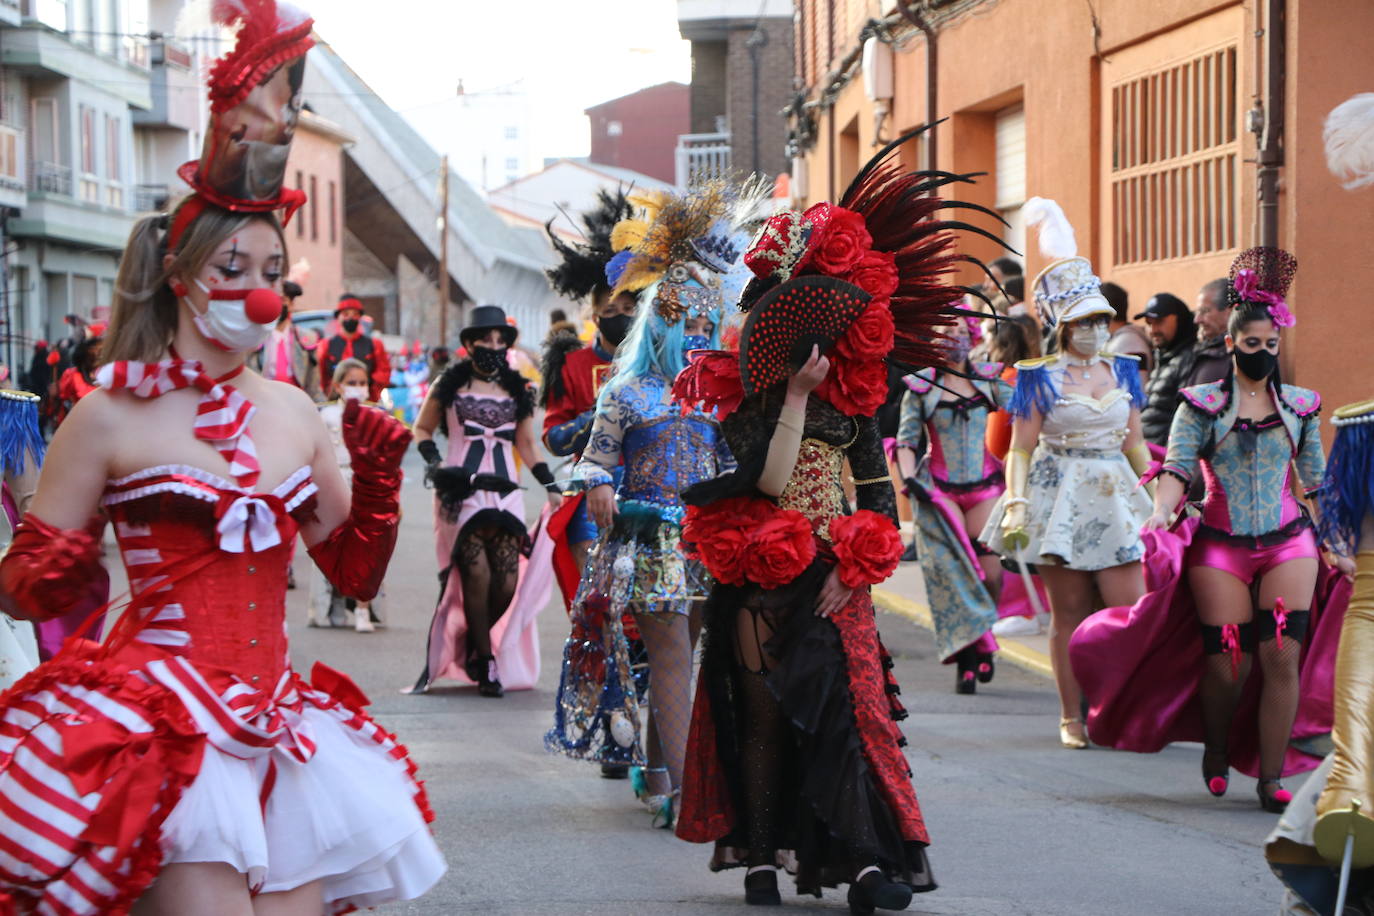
[[867, 548], [872, 334], [711, 381], [719, 535], [855, 387], [876, 274], [780, 550], [843, 243]]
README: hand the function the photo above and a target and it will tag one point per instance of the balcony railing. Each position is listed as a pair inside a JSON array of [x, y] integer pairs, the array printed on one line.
[[702, 157], [150, 197], [165, 51], [50, 178]]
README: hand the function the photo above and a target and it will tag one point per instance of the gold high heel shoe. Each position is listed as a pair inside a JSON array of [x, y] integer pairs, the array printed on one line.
[[1067, 738]]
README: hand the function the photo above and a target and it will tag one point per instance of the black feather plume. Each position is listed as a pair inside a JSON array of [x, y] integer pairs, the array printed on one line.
[[583, 267]]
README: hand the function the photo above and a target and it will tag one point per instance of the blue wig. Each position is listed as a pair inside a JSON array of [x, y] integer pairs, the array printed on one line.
[[1347, 495], [653, 346]]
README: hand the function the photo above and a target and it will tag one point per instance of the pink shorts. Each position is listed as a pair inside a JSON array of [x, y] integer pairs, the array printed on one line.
[[965, 498], [1248, 562]]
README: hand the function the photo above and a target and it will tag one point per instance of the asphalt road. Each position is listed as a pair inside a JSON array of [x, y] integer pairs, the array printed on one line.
[[1019, 825]]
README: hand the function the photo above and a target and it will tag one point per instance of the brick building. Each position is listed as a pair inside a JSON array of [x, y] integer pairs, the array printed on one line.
[[638, 131], [1136, 117], [316, 233], [741, 80]]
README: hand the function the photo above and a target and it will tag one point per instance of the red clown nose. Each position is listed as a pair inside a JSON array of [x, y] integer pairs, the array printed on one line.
[[262, 306]]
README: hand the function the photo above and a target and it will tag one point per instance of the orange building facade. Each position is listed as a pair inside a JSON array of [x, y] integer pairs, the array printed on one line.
[[315, 234], [1136, 117]]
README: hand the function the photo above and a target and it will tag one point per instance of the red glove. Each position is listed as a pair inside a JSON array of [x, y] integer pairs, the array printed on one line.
[[47, 571], [354, 557]]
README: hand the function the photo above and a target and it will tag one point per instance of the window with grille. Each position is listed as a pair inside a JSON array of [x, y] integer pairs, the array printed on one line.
[[1175, 161]]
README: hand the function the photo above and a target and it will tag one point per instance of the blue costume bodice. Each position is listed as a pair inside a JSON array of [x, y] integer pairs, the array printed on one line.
[[955, 430], [1247, 465], [663, 450]]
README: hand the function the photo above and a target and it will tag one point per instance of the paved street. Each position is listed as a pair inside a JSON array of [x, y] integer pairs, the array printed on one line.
[[1019, 826]]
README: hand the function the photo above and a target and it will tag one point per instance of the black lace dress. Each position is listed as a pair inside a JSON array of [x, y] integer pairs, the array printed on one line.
[[795, 755]]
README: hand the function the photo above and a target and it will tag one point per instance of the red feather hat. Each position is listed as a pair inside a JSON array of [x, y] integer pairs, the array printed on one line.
[[867, 279], [255, 101]]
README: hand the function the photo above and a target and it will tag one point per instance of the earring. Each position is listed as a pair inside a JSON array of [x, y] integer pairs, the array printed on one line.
[[178, 289]]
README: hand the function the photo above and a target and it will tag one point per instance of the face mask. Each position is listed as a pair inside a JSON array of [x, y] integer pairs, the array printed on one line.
[[1089, 339], [957, 351], [694, 342], [613, 328], [349, 325], [355, 392], [488, 361], [1258, 365], [229, 320]]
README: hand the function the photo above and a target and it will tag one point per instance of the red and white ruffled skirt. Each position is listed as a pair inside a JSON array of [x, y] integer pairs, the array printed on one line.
[[111, 767]]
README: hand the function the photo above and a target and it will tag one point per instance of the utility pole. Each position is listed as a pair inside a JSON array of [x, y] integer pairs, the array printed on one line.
[[443, 252]]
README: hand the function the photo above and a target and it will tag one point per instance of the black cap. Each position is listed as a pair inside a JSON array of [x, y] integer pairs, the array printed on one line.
[[1164, 304]]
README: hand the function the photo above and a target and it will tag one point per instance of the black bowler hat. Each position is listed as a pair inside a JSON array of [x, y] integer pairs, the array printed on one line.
[[485, 318], [1164, 304]]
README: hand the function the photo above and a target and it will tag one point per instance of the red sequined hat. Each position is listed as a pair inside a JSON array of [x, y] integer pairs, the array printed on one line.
[[255, 101]]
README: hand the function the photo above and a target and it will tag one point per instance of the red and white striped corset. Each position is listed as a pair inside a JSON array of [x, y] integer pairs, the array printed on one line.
[[230, 613]]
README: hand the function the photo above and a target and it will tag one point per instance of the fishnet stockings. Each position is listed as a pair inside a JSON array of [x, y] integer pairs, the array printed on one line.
[[489, 567], [1220, 692], [668, 642], [1278, 702]]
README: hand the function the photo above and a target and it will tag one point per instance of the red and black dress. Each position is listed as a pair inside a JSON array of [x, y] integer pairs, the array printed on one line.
[[803, 755]]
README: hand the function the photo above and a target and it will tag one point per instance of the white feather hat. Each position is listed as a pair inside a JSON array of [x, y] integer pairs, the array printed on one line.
[[1067, 289]]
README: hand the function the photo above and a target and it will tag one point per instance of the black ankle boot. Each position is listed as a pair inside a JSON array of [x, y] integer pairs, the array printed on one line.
[[874, 891], [479, 669], [761, 886]]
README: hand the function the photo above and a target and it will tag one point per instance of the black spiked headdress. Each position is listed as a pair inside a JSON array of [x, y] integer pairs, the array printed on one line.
[[582, 270]]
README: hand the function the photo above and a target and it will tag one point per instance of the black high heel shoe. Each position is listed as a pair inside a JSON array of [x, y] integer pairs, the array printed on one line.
[[1273, 797], [1217, 782], [478, 668], [873, 891], [761, 886], [966, 677], [986, 667]]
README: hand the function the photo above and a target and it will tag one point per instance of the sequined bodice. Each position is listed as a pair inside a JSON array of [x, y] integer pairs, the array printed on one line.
[[663, 450], [226, 551], [1080, 421], [814, 489], [1249, 491]]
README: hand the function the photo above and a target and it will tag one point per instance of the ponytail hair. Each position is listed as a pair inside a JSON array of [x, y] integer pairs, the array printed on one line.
[[143, 315]]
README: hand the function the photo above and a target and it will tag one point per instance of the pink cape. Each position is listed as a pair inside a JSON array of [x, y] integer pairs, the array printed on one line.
[[514, 638], [1140, 666]]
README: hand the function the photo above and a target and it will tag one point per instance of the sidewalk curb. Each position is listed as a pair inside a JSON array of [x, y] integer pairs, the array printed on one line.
[[1018, 653]]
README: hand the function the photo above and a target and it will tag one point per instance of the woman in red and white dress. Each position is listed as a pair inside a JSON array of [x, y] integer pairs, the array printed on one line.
[[182, 767]]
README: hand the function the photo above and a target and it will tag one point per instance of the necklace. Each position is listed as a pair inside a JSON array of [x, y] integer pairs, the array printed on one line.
[[1085, 364]]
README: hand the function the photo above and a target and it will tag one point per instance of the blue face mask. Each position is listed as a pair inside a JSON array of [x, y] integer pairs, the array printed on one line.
[[694, 342]]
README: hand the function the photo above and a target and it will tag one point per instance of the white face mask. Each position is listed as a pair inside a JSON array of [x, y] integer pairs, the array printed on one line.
[[355, 392], [226, 322], [1089, 339]]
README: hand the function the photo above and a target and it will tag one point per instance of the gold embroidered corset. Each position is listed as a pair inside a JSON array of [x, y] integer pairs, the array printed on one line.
[[814, 488]]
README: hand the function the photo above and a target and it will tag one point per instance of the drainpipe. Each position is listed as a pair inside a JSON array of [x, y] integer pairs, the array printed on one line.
[[908, 10], [757, 39], [1271, 129]]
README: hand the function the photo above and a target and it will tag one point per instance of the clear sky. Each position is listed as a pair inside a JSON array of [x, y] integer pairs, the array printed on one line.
[[567, 54]]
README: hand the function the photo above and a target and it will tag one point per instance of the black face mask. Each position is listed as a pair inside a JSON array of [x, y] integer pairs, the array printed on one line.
[[487, 361], [1258, 365], [613, 328], [349, 325]]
